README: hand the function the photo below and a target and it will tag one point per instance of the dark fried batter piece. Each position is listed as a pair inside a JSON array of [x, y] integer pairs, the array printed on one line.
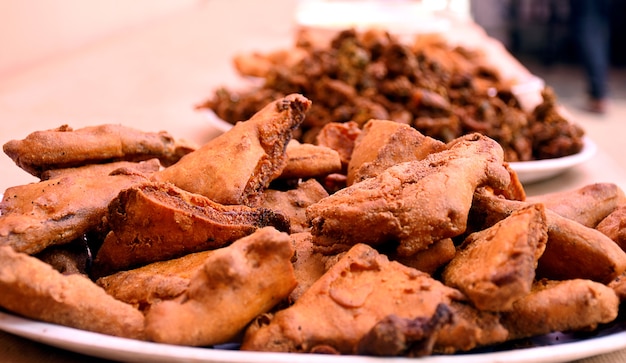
[[158, 221], [64, 147], [54, 212]]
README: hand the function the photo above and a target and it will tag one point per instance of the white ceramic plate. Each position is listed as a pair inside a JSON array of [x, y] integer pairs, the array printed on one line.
[[534, 171], [556, 348]]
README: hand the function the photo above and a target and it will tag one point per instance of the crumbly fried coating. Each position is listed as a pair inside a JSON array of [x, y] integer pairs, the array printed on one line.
[[384, 143], [65, 147], [413, 203], [146, 285], [568, 305], [340, 308], [572, 251], [34, 289], [496, 266], [236, 284], [146, 167], [293, 202], [309, 265], [310, 161], [157, 221], [53, 212], [236, 166], [430, 260], [614, 226], [587, 205]]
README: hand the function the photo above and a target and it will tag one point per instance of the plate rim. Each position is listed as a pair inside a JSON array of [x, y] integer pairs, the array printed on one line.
[[111, 347]]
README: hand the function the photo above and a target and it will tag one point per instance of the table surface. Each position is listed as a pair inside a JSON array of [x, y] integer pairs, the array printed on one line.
[[151, 76]]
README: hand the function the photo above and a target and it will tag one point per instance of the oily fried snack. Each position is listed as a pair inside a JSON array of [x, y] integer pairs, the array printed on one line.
[[414, 203], [308, 264], [385, 143], [33, 289], [64, 147], [572, 251], [163, 280], [587, 205], [236, 166], [236, 284], [58, 211], [431, 259], [293, 202], [157, 221], [339, 136], [340, 308], [144, 167], [310, 161], [614, 226], [619, 286], [568, 305], [496, 266]]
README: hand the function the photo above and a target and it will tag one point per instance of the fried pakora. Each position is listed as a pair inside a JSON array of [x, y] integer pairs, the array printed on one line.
[[65, 147], [235, 284], [414, 203], [236, 166]]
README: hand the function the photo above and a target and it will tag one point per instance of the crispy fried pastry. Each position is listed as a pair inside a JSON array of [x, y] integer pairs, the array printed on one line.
[[614, 226], [293, 202], [496, 266], [346, 303], [587, 205], [53, 212], [431, 259], [340, 137], [413, 203], [143, 167], [236, 284], [158, 221], [619, 286], [146, 285], [236, 166], [64, 147], [308, 264], [395, 336], [568, 305], [310, 161], [384, 143], [33, 289], [572, 251]]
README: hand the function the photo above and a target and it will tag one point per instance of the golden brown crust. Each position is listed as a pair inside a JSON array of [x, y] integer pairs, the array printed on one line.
[[310, 161], [236, 284], [236, 166], [38, 215], [414, 203], [561, 306], [384, 143], [64, 147], [496, 266], [33, 289], [178, 223]]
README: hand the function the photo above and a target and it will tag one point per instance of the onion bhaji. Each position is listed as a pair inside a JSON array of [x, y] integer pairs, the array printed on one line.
[[443, 90]]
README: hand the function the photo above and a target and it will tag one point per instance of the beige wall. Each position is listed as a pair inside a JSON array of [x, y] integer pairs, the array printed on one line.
[[33, 31]]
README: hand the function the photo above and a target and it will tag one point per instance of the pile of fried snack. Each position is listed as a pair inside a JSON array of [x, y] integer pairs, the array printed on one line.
[[381, 241], [442, 90]]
